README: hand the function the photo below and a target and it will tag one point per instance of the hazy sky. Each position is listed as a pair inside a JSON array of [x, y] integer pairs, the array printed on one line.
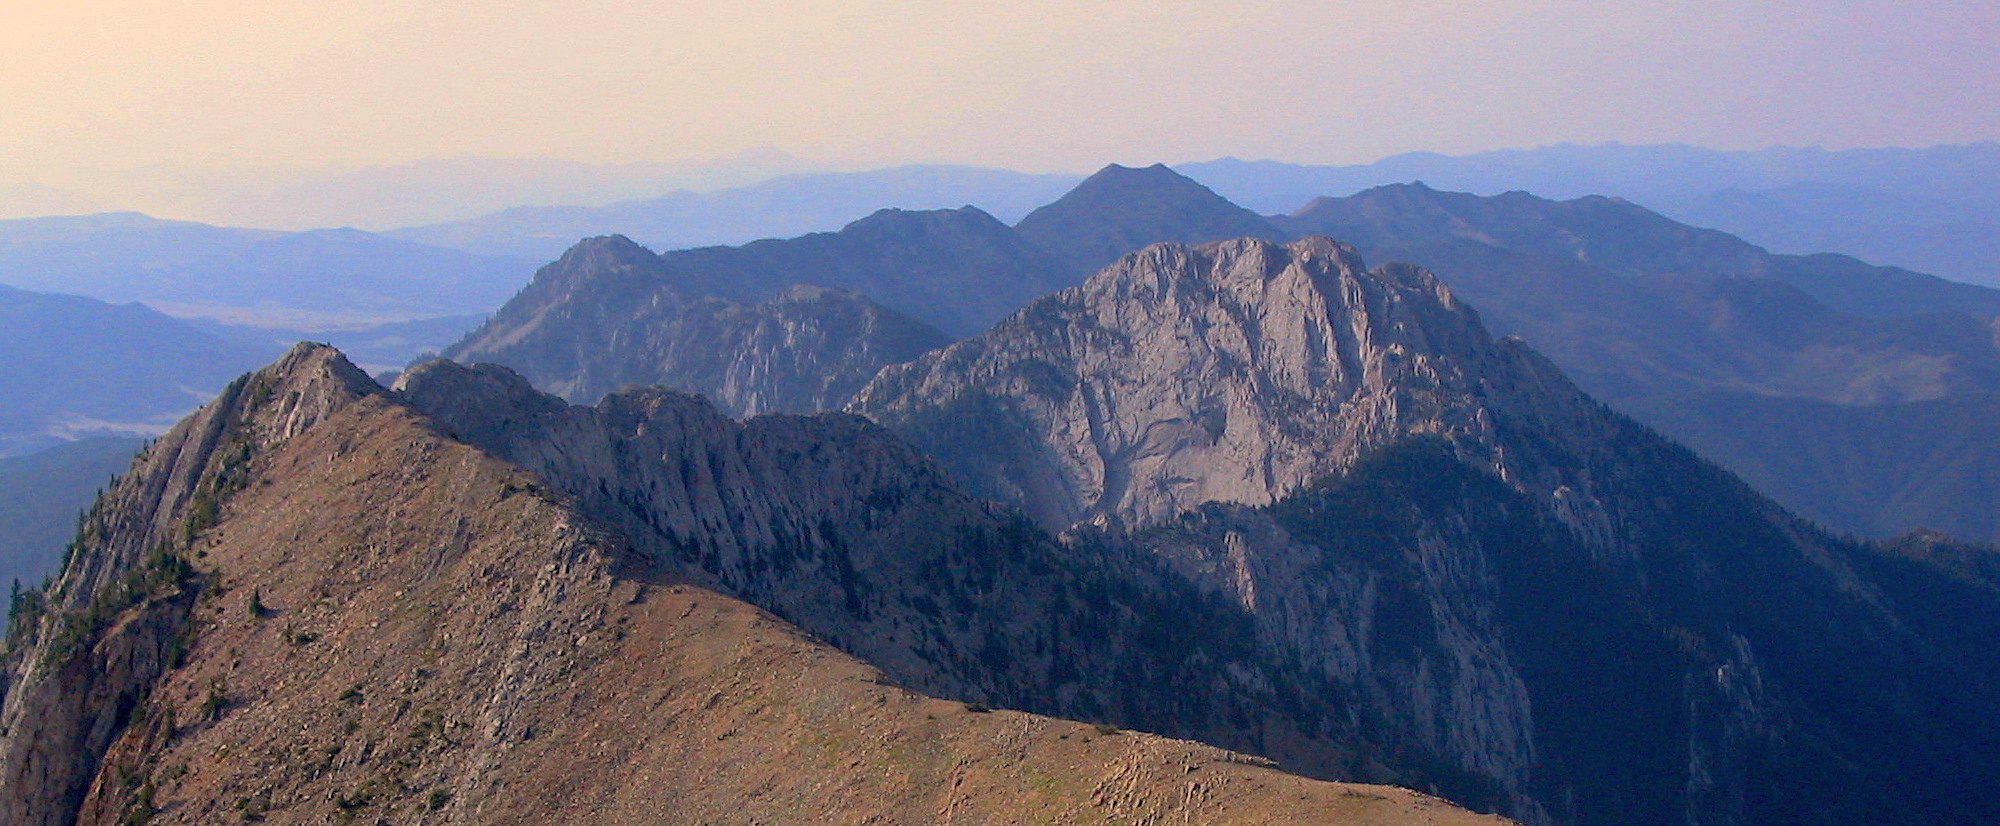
[[1031, 85]]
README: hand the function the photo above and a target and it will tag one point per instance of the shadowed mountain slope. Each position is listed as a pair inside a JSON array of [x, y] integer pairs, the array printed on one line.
[[375, 620], [1578, 617], [1722, 345]]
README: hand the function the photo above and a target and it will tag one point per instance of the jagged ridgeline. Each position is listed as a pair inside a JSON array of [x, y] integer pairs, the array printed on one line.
[[317, 601], [1253, 494], [1572, 615]]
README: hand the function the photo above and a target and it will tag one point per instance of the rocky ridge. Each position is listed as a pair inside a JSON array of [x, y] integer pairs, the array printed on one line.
[[375, 620], [1427, 516]]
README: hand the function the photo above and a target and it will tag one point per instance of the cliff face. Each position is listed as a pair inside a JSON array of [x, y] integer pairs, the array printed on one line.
[[369, 619], [1578, 619], [609, 314], [839, 526], [1233, 372]]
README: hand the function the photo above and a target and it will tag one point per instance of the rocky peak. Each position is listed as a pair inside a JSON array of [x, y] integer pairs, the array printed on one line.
[[1235, 371], [1121, 209]]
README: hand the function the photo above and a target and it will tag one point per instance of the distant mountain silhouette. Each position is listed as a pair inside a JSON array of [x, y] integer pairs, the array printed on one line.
[[1121, 209], [254, 275], [1931, 210], [1863, 397], [782, 207], [73, 367]]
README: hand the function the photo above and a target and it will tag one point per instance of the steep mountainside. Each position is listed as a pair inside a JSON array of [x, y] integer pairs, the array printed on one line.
[[374, 621], [1720, 345], [1575, 616], [1121, 209], [610, 314], [73, 366]]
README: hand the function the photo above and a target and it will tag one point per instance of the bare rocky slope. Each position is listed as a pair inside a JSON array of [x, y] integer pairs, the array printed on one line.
[[312, 603], [1581, 620], [611, 314]]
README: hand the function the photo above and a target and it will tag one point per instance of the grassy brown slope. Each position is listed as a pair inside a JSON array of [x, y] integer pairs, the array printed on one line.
[[398, 628]]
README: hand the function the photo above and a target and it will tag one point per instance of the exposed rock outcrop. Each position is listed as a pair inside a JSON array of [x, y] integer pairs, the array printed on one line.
[[1233, 372], [1441, 526]]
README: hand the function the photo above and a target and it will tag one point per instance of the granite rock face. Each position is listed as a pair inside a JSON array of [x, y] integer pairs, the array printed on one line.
[[1232, 372]]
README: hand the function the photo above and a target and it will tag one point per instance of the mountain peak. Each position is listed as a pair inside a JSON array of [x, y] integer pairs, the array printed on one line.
[[1122, 208], [895, 223], [1234, 371]]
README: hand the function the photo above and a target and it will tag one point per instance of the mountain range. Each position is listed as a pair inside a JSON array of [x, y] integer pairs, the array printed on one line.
[[501, 675], [1711, 339], [1928, 209], [1230, 484], [784, 206], [1253, 494]]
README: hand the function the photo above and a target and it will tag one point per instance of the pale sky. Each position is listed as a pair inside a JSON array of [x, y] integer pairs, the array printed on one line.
[[1070, 85]]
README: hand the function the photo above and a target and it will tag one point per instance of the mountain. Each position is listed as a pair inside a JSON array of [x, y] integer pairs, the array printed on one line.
[[41, 495], [1859, 396], [610, 314], [1930, 210], [953, 269], [1121, 209], [782, 207], [1628, 239], [374, 619], [254, 276], [73, 366], [1567, 612]]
